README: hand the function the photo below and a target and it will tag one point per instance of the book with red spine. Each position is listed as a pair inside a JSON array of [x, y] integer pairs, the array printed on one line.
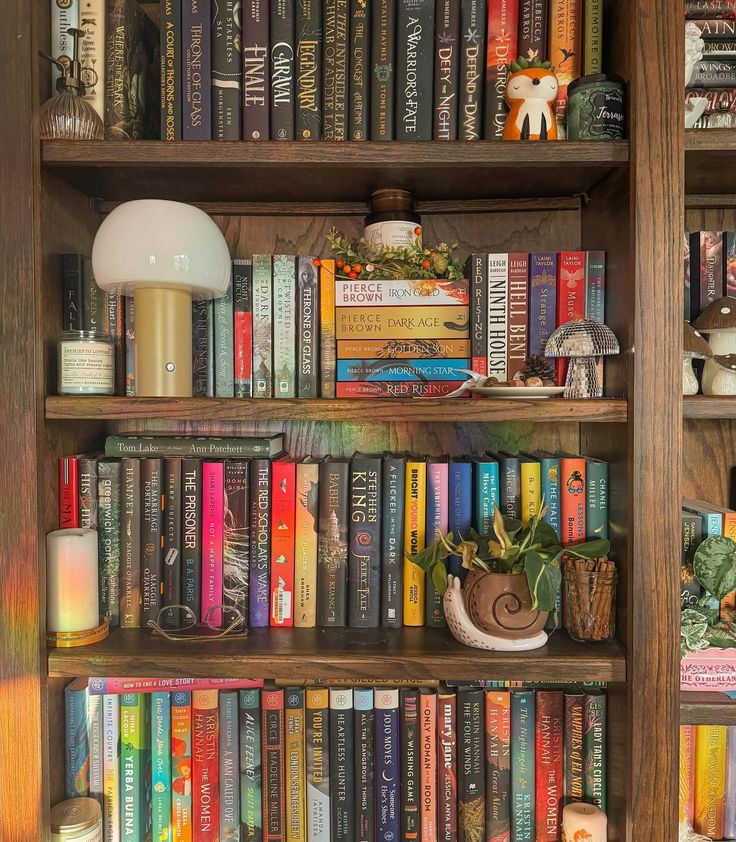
[[501, 50], [205, 765], [446, 767], [572, 503], [570, 297], [283, 528], [517, 349], [68, 492], [274, 783], [213, 501], [428, 765], [549, 777], [498, 765]]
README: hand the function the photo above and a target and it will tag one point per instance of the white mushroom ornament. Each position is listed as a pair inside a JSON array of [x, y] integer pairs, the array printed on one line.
[[583, 341], [694, 347], [718, 321]]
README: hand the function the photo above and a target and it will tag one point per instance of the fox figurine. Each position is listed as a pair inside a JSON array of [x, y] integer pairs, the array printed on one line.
[[531, 91]]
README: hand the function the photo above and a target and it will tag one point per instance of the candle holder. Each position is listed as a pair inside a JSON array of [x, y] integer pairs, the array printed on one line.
[[583, 822], [68, 640]]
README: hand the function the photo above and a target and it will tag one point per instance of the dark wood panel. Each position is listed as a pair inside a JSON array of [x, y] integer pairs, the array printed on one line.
[[708, 458], [698, 708], [710, 161], [421, 653]]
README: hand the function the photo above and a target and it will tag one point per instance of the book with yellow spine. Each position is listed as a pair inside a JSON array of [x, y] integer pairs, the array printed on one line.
[[327, 343], [415, 507], [531, 488], [687, 773], [710, 779], [296, 795], [306, 533]]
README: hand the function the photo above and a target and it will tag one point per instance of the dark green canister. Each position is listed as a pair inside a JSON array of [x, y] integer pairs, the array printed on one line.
[[596, 108]]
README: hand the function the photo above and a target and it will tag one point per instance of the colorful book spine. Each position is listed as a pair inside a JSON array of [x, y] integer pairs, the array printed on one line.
[[203, 349], [260, 543], [226, 70], [550, 479], [332, 555], [471, 765], [135, 757], [213, 498], [151, 685], [729, 812], [307, 375], [390, 293], [565, 41], [364, 550], [68, 492], [223, 326], [498, 315], [283, 503], [113, 324], [428, 765], [472, 69], [518, 307], [392, 541], [510, 477], [337, 84], [308, 70], [242, 328], [171, 582], [236, 538], [402, 349], [686, 812], [522, 765], [282, 70], [549, 772], [284, 326], [364, 731], [477, 270], [87, 470], [447, 772], [402, 370], [710, 9], [706, 270], [594, 748], [387, 765], [572, 505], [327, 328], [262, 318], [533, 29], [181, 766], [596, 515], [111, 798], [341, 765], [383, 59], [486, 493], [256, 71], [542, 297], [595, 285], [130, 345], [170, 28], [573, 746], [95, 738], [196, 70], [498, 765], [710, 780], [161, 767], [593, 37], [191, 539], [414, 540], [305, 544], [251, 798], [295, 762], [274, 790], [530, 488], [205, 765], [460, 506], [64, 16], [229, 767], [108, 538], [318, 766], [446, 70], [570, 296], [396, 322], [396, 389], [503, 19], [437, 520], [360, 72], [414, 69], [409, 764]]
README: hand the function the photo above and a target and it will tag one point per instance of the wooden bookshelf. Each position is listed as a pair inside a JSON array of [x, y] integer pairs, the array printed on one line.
[[702, 407], [702, 708]]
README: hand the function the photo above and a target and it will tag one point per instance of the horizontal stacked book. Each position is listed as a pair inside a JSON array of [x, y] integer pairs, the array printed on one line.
[[300, 542], [230, 760], [311, 70], [714, 76]]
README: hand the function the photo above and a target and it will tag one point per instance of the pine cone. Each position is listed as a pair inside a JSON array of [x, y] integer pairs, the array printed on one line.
[[538, 366]]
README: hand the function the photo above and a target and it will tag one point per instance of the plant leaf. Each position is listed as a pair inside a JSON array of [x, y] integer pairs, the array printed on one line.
[[590, 549], [545, 535], [715, 565], [467, 551], [544, 580], [439, 577], [500, 529]]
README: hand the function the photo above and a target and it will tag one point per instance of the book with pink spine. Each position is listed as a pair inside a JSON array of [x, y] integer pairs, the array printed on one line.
[[213, 500], [113, 686], [437, 518]]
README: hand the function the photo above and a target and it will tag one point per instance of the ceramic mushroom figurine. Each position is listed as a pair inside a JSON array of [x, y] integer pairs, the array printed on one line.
[[582, 340], [723, 381], [694, 347], [718, 321]]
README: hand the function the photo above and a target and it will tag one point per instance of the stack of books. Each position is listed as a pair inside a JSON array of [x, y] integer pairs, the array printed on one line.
[[715, 75]]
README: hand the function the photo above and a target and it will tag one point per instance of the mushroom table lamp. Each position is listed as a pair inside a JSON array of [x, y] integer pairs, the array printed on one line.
[[718, 320], [694, 347], [164, 254], [582, 340]]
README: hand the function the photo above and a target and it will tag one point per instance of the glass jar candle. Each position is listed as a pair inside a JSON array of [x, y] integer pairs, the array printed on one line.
[[392, 221], [86, 363], [596, 108], [76, 820]]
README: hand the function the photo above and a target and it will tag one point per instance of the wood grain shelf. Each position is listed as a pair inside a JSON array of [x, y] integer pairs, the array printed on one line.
[[294, 172], [399, 409], [709, 152], [698, 708], [704, 407], [418, 654]]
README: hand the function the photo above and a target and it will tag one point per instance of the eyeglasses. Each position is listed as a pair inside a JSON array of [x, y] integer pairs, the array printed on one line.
[[179, 622]]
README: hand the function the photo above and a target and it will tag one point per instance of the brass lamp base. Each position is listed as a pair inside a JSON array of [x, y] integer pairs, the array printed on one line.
[[163, 342]]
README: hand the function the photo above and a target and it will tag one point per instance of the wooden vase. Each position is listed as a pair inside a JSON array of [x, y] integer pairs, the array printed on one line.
[[501, 604]]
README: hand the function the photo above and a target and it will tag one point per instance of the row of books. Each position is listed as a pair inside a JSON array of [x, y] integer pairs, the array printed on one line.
[[288, 327], [301, 542], [708, 779], [308, 70], [338, 764], [714, 77], [710, 269]]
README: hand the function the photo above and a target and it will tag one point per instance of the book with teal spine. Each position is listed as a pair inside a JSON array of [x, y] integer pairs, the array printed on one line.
[[251, 819], [523, 717], [486, 493], [284, 326], [550, 470], [76, 738], [161, 767], [229, 767], [224, 354], [135, 760], [596, 496]]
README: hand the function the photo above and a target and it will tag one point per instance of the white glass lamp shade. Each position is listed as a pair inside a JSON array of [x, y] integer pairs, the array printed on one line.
[[160, 244]]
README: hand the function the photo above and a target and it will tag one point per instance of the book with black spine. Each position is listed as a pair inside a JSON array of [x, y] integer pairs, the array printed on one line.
[[256, 81], [108, 538], [170, 55], [282, 70], [364, 554], [308, 70], [335, 83], [472, 69], [414, 71], [307, 374], [471, 764], [363, 728], [360, 70], [236, 534], [87, 467], [342, 803], [72, 274], [196, 70], [93, 299], [191, 536], [409, 764], [446, 69], [227, 70], [533, 29], [260, 542], [151, 538], [172, 556], [203, 349], [332, 558], [392, 541], [383, 61]]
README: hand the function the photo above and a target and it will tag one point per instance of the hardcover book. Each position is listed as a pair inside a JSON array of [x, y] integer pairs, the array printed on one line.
[[472, 69], [213, 499], [108, 538], [510, 485], [596, 516], [335, 70], [181, 766], [594, 748], [205, 765], [69, 492], [135, 765], [327, 346], [687, 774], [396, 389], [570, 297], [477, 270], [392, 541], [383, 58], [260, 543], [308, 70], [385, 371], [283, 515], [549, 775], [282, 70], [73, 291], [436, 527], [593, 37], [414, 540], [251, 806], [706, 270], [305, 545], [565, 41], [95, 736], [428, 764], [573, 746], [295, 763], [341, 765], [87, 473], [710, 9], [400, 322], [363, 727], [161, 765], [501, 50], [447, 48], [729, 262], [498, 316], [714, 73], [692, 537], [243, 328], [710, 779], [196, 70], [530, 496], [227, 71], [318, 766], [533, 30], [716, 30], [542, 300], [256, 70], [191, 563], [364, 549], [236, 538], [729, 812], [172, 568], [409, 763], [307, 379], [262, 319], [447, 771], [391, 293], [498, 765], [522, 765], [460, 506], [471, 765], [171, 78], [518, 319], [76, 739], [573, 505], [223, 333], [64, 16], [274, 773], [130, 346], [414, 57], [203, 348], [111, 800], [402, 349], [360, 70], [332, 555], [386, 703], [486, 493]]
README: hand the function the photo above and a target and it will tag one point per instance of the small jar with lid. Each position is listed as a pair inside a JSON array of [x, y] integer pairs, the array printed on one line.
[[76, 820], [596, 108], [392, 221], [86, 363]]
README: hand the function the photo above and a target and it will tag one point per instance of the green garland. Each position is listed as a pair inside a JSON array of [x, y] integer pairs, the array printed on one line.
[[413, 262]]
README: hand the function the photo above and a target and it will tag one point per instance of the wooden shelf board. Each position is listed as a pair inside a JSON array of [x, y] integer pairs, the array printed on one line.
[[704, 406], [259, 171], [419, 654], [706, 708], [710, 161], [303, 409]]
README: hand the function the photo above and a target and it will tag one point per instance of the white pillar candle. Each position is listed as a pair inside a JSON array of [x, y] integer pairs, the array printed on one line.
[[72, 601], [583, 823]]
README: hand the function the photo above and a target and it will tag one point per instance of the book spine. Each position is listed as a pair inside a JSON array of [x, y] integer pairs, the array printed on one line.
[[692, 537], [223, 332], [181, 766], [414, 54], [392, 542], [710, 783], [428, 764], [242, 328], [329, 34], [130, 544], [460, 507], [308, 341], [191, 470], [108, 539], [401, 371], [363, 727], [570, 297], [565, 37], [360, 72], [573, 747], [596, 516], [447, 771], [383, 61], [73, 291], [593, 37], [226, 70], [260, 542], [251, 798], [533, 29], [196, 70], [595, 293], [274, 791], [282, 70], [327, 332], [203, 349], [549, 775], [229, 766], [95, 737], [478, 272], [161, 766], [170, 28], [64, 16], [729, 813], [542, 300], [389, 293], [256, 71], [295, 763], [531, 490], [594, 748], [364, 553], [172, 540], [87, 471], [305, 545], [396, 389], [572, 506], [409, 763], [714, 73], [111, 768], [686, 810], [510, 486], [68, 492], [522, 766], [729, 261], [503, 19], [498, 765], [414, 541], [716, 30], [436, 527], [388, 808], [92, 299], [205, 765], [518, 307], [213, 498], [135, 748], [447, 49], [471, 765], [472, 69], [706, 270], [710, 9], [342, 782], [76, 741], [130, 346], [498, 316], [486, 496], [308, 70], [216, 447], [332, 544], [262, 319], [114, 326], [318, 765], [236, 538], [335, 57], [283, 504]]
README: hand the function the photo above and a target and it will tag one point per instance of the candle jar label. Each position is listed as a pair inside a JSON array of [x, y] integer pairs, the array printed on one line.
[[86, 367]]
